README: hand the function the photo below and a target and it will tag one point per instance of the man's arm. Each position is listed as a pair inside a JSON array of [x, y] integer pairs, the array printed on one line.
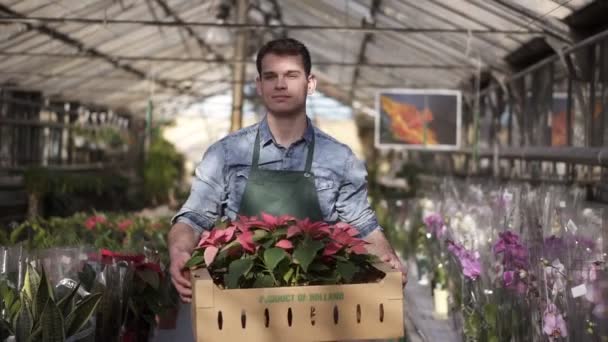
[[182, 240], [354, 208], [199, 213]]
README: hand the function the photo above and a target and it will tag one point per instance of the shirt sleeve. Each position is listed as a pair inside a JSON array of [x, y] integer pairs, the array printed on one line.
[[352, 205], [203, 206]]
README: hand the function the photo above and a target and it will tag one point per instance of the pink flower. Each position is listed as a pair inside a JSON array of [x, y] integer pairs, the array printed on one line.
[[125, 224], [553, 323], [285, 244], [92, 221]]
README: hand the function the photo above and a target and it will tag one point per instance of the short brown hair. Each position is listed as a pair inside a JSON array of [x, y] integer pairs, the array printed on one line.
[[284, 47]]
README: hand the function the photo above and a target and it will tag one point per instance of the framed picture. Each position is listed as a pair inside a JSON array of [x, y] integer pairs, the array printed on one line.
[[418, 119]]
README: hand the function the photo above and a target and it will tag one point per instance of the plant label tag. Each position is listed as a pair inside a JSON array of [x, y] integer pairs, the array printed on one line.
[[578, 291], [571, 227], [562, 204]]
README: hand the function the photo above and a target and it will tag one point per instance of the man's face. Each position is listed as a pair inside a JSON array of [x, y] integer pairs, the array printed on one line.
[[283, 84]]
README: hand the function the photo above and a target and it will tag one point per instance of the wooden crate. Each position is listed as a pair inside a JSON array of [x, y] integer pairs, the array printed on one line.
[[303, 313]]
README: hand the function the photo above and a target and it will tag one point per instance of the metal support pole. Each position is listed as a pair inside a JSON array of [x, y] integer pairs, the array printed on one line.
[[239, 68]]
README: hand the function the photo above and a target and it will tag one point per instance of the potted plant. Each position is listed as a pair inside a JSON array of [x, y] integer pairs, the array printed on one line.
[[33, 313], [258, 268]]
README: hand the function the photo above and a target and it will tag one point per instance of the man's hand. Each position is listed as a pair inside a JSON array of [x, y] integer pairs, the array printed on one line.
[[182, 240], [396, 264], [181, 276], [379, 246]]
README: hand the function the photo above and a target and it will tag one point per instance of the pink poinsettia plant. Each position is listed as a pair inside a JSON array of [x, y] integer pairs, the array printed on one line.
[[270, 251]]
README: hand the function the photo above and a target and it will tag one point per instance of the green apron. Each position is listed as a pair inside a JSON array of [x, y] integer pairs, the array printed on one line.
[[280, 192]]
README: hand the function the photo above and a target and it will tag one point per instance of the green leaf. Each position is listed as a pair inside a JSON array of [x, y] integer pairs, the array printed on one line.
[[14, 309], [36, 333], [150, 277], [279, 233], [263, 280], [31, 282], [260, 234], [346, 270], [230, 245], [318, 267], [24, 324], [288, 275], [82, 313], [51, 322], [236, 270], [305, 253], [273, 256], [195, 261], [66, 303], [16, 234], [43, 294], [8, 295]]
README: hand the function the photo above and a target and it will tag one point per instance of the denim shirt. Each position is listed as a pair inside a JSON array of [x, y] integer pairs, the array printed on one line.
[[221, 176]]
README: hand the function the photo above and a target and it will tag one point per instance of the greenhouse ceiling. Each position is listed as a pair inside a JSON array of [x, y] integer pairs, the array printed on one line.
[[121, 53]]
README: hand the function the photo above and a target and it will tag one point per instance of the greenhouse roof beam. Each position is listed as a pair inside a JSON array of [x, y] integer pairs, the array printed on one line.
[[66, 39], [340, 28], [216, 61]]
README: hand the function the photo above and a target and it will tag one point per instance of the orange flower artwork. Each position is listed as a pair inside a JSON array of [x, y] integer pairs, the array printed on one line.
[[408, 122]]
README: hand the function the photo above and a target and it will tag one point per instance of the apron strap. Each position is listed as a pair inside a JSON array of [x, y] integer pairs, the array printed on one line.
[[311, 150], [256, 152]]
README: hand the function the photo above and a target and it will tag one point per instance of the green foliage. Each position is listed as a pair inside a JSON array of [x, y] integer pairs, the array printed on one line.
[[42, 181], [162, 170], [301, 262], [33, 314]]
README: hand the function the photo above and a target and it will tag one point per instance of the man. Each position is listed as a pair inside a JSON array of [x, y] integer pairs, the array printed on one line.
[[282, 165]]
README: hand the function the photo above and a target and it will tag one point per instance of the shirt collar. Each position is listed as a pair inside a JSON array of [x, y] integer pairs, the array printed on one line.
[[266, 135]]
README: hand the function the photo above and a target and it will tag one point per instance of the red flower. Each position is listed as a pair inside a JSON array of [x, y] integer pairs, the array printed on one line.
[[125, 224], [343, 235], [92, 221], [316, 230], [332, 248], [217, 237], [272, 222], [107, 256], [246, 241]]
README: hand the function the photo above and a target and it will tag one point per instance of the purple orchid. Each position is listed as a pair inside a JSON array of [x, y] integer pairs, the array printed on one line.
[[469, 261], [554, 324], [514, 261], [435, 224]]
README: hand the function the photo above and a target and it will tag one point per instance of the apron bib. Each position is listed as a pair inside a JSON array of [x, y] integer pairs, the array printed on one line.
[[281, 192]]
